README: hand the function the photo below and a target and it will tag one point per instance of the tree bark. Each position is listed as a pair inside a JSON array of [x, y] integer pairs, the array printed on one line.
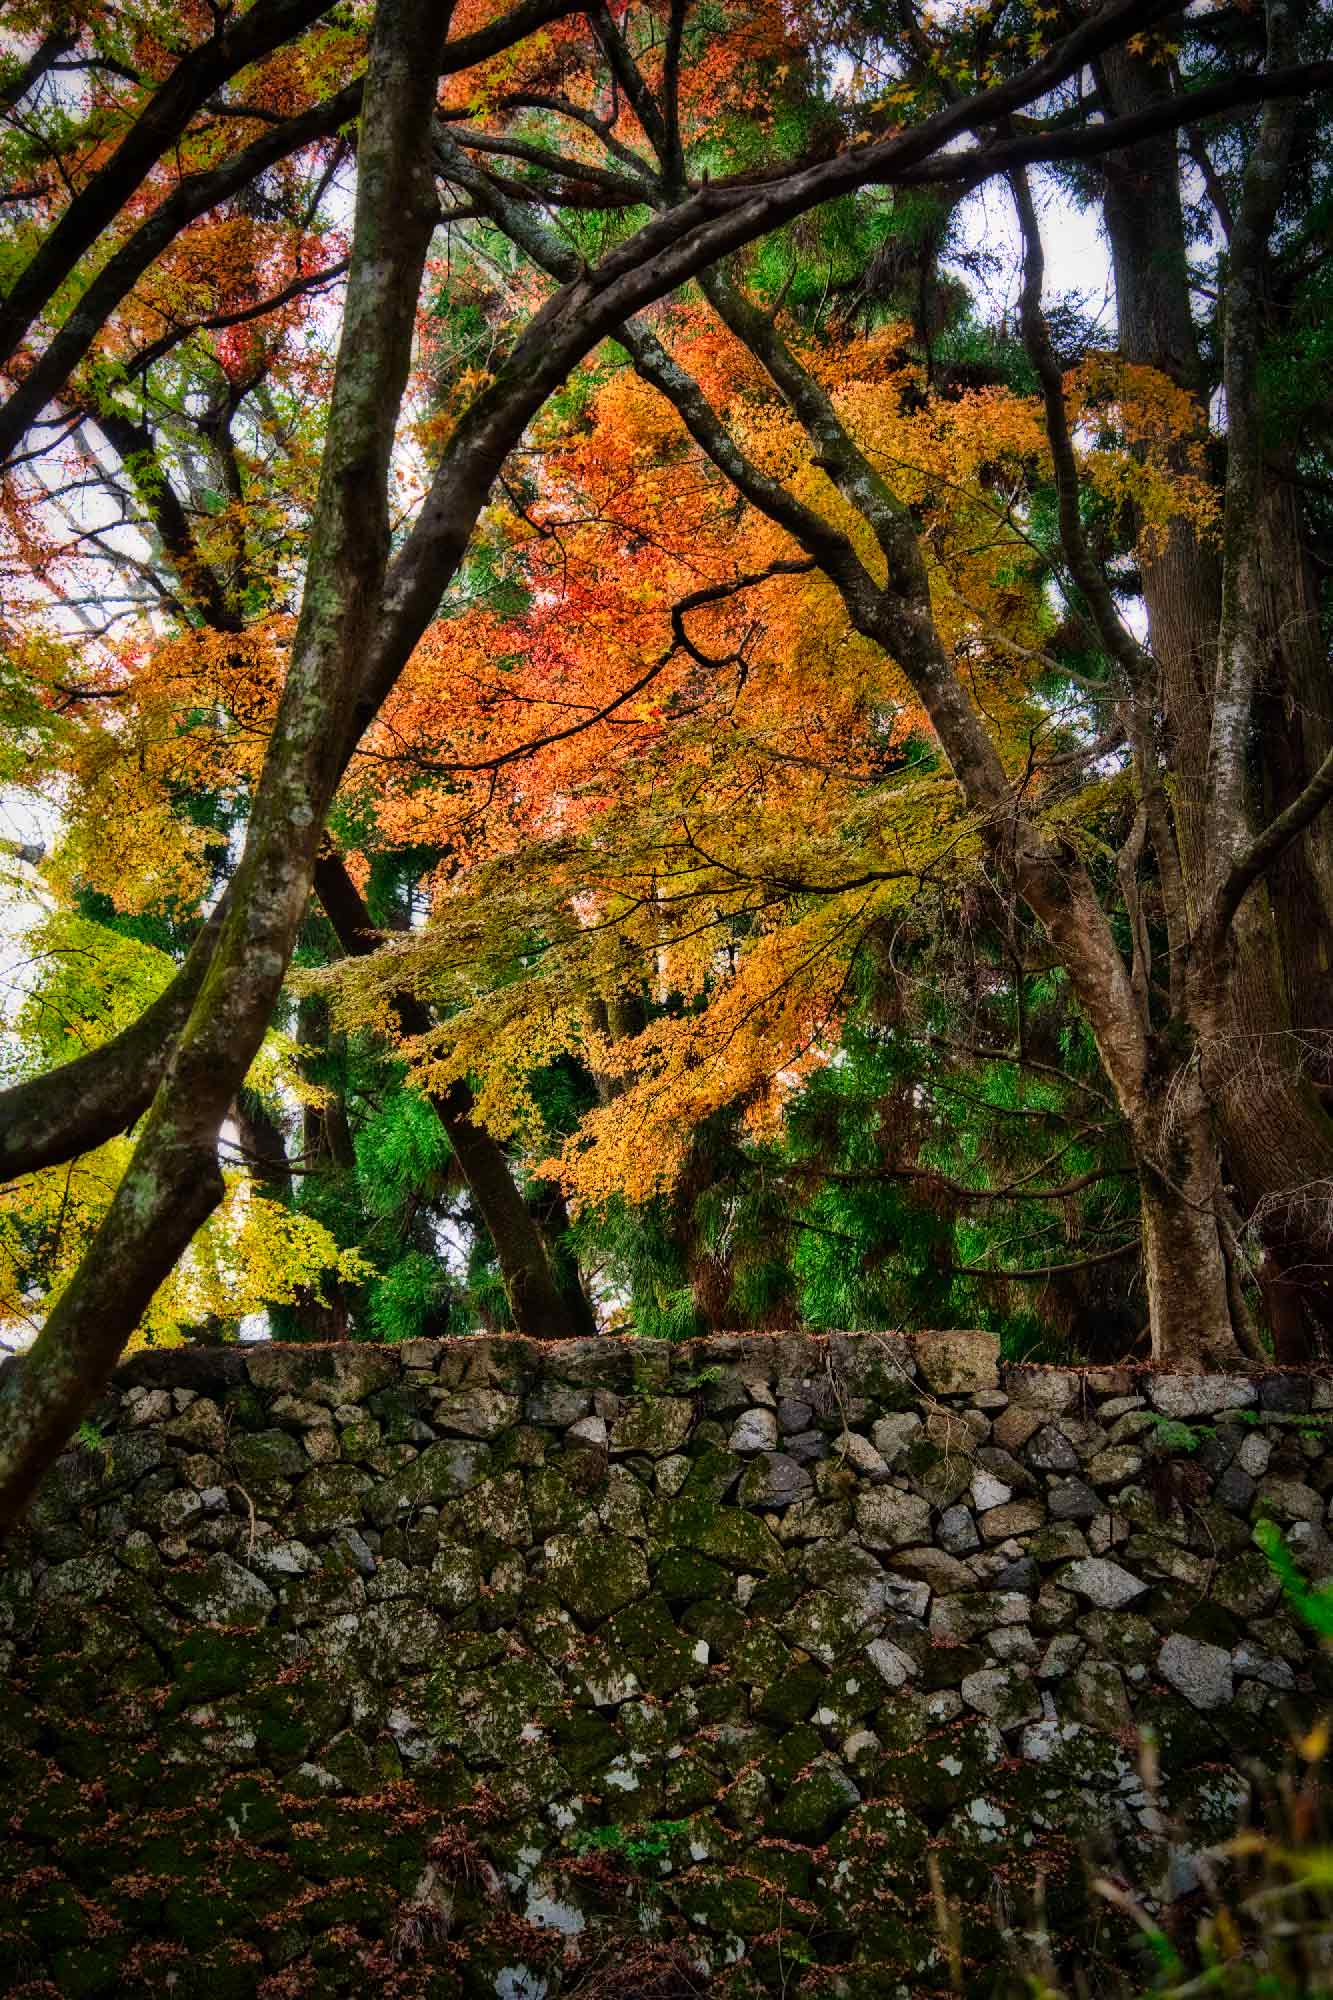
[[1295, 725], [263, 1144], [266, 1158], [173, 1181], [1264, 1066], [1184, 1259], [547, 1204]]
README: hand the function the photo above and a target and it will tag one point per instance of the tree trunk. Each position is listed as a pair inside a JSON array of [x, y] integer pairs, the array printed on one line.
[[326, 1138], [536, 1301], [1186, 1276], [173, 1181], [1184, 1260], [263, 1144], [1275, 1130], [546, 1200], [1295, 724]]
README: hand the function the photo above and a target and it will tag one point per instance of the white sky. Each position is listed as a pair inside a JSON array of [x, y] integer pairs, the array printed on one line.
[[1078, 260]]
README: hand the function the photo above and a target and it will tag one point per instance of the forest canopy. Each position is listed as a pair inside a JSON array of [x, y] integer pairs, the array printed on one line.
[[627, 703]]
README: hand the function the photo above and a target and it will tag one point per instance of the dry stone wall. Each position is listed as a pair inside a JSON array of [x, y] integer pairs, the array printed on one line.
[[619, 1669]]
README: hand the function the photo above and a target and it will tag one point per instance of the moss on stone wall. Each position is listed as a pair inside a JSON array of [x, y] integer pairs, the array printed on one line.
[[487, 1668]]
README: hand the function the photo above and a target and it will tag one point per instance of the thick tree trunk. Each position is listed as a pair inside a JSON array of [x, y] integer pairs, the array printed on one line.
[[1295, 724], [537, 1303], [1184, 1259], [546, 1200], [263, 1144], [326, 1139], [314, 1318], [1264, 1065], [173, 1181], [1171, 1127], [1186, 1277], [619, 1019]]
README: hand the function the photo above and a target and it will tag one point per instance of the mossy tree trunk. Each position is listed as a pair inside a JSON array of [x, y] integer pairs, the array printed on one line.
[[1268, 1061], [173, 1180]]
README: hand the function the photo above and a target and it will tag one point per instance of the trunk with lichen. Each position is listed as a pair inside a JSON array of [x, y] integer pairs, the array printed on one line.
[[1269, 1066], [173, 1181]]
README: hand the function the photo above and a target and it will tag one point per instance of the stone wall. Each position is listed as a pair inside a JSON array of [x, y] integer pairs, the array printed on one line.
[[613, 1668]]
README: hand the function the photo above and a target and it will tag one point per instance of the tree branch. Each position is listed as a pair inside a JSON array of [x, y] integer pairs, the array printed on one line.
[[1037, 1273], [134, 444], [56, 43], [192, 197], [1049, 147], [1268, 847], [197, 193], [298, 288]]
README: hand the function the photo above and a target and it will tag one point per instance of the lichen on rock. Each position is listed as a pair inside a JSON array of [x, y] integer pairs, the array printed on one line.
[[416, 1669]]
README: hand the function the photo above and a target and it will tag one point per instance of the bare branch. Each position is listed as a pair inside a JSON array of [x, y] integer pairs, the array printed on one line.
[[1037, 1273], [312, 281]]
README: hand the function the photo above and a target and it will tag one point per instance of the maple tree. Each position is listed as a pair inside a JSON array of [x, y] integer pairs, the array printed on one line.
[[713, 694]]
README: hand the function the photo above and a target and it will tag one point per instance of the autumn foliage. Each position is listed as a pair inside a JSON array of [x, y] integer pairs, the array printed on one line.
[[683, 899]]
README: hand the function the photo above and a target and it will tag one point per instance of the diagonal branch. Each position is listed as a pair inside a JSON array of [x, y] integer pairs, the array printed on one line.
[[310, 281], [200, 583], [1049, 146], [1268, 847], [630, 78], [192, 197], [617, 190], [56, 43], [1087, 573]]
